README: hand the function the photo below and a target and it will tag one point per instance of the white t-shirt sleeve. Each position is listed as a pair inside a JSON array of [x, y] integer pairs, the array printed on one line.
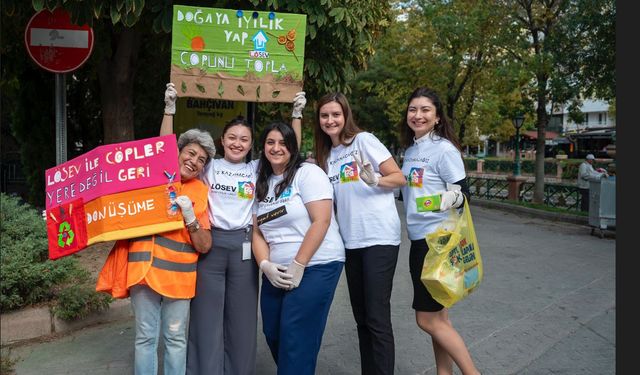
[[372, 149], [313, 184], [451, 166]]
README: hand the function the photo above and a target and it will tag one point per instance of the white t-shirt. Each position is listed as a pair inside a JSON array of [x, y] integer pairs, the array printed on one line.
[[285, 221], [231, 191], [428, 165], [367, 215]]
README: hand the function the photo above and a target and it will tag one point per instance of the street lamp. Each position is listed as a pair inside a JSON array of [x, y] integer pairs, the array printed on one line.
[[517, 123]]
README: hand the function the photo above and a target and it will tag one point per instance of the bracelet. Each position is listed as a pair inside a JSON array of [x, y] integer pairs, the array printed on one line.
[[168, 114]]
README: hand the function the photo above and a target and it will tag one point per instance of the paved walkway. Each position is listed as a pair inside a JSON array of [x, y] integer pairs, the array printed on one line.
[[546, 306]]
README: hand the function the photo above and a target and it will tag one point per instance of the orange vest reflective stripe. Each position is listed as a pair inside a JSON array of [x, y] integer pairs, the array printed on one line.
[[167, 262], [166, 265]]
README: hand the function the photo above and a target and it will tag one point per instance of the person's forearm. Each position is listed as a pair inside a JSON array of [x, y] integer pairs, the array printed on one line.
[[259, 245], [312, 240], [296, 124], [392, 180], [166, 127], [201, 240]]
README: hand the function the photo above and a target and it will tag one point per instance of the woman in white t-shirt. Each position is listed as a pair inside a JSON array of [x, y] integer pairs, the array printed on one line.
[[223, 319], [297, 244], [432, 165], [363, 173]]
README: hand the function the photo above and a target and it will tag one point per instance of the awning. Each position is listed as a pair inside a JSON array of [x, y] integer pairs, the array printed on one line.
[[533, 134]]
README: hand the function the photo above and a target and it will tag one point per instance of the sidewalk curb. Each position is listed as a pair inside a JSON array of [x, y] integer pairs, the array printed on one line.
[[39, 322], [554, 216]]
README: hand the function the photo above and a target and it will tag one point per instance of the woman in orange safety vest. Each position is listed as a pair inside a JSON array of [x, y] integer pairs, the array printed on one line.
[[159, 271]]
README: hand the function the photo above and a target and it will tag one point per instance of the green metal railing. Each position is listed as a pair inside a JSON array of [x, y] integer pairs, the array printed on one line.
[[555, 195]]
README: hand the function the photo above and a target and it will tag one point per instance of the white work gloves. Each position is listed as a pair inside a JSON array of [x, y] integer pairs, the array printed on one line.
[[276, 274], [366, 170], [296, 270], [452, 198], [187, 209], [170, 97], [299, 101]]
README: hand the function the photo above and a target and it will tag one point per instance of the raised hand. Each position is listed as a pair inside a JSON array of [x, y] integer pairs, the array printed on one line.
[[170, 97], [367, 174]]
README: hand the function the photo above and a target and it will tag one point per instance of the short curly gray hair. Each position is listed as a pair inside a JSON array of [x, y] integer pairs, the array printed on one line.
[[199, 137]]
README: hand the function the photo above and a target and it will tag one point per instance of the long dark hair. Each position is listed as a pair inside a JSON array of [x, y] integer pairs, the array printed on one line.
[[443, 128], [322, 140], [264, 167], [233, 122]]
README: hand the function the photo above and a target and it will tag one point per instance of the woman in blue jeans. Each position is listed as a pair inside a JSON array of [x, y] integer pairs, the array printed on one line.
[[297, 244]]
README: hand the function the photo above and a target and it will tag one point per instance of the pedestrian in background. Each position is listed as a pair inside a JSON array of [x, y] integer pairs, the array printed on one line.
[[586, 174], [432, 165], [363, 173], [297, 244]]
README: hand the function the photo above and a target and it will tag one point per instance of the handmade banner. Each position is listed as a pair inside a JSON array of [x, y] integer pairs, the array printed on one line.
[[113, 192], [236, 54]]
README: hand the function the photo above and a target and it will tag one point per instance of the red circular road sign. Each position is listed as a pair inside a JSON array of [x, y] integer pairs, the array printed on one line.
[[55, 44]]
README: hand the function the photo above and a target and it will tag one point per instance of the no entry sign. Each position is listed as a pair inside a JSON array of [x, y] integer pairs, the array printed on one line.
[[55, 44]]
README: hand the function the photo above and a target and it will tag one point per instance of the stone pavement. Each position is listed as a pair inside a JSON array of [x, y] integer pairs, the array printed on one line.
[[546, 306]]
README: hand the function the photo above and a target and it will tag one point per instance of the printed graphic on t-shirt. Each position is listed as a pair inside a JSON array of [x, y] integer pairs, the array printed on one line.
[[414, 179], [349, 172], [271, 215], [245, 189], [286, 193]]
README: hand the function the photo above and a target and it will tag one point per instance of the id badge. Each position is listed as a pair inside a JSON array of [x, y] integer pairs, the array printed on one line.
[[246, 250]]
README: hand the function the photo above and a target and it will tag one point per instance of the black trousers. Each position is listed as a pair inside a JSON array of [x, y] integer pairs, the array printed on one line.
[[584, 200], [369, 274]]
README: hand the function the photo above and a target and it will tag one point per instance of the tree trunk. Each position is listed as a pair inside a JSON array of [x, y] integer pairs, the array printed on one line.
[[541, 114], [116, 75]]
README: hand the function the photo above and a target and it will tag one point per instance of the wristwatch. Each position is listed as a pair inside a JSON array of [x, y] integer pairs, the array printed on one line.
[[193, 227]]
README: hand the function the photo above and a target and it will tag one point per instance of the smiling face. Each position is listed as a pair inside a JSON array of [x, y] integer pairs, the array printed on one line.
[[331, 118], [191, 159], [421, 116], [276, 151], [236, 143]]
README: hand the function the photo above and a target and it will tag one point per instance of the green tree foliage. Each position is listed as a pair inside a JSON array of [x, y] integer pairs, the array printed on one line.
[[117, 95], [545, 32], [452, 47]]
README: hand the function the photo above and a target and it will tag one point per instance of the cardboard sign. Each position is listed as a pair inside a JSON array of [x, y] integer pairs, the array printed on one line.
[[111, 169], [113, 192], [238, 55]]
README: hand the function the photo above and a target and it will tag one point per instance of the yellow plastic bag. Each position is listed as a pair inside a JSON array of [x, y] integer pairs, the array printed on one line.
[[453, 267]]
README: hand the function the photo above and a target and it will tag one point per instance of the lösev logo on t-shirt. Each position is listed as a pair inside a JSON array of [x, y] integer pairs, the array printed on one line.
[[284, 197], [349, 172], [414, 179], [246, 189], [271, 215]]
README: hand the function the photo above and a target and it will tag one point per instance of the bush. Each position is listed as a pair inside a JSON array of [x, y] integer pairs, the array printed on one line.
[[29, 277], [77, 301]]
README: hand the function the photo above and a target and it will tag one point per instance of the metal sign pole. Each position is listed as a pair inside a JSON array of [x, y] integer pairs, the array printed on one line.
[[61, 119]]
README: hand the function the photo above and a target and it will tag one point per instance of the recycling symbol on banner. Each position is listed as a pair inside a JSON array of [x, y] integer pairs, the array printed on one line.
[[65, 236]]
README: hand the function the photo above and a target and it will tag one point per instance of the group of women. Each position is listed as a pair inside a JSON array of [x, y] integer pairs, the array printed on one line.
[[299, 223]]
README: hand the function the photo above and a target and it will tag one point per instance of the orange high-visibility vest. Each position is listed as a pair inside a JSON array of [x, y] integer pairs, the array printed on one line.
[[166, 262]]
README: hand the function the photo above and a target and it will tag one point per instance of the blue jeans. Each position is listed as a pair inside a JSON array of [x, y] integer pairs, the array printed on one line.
[[294, 321], [154, 314]]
